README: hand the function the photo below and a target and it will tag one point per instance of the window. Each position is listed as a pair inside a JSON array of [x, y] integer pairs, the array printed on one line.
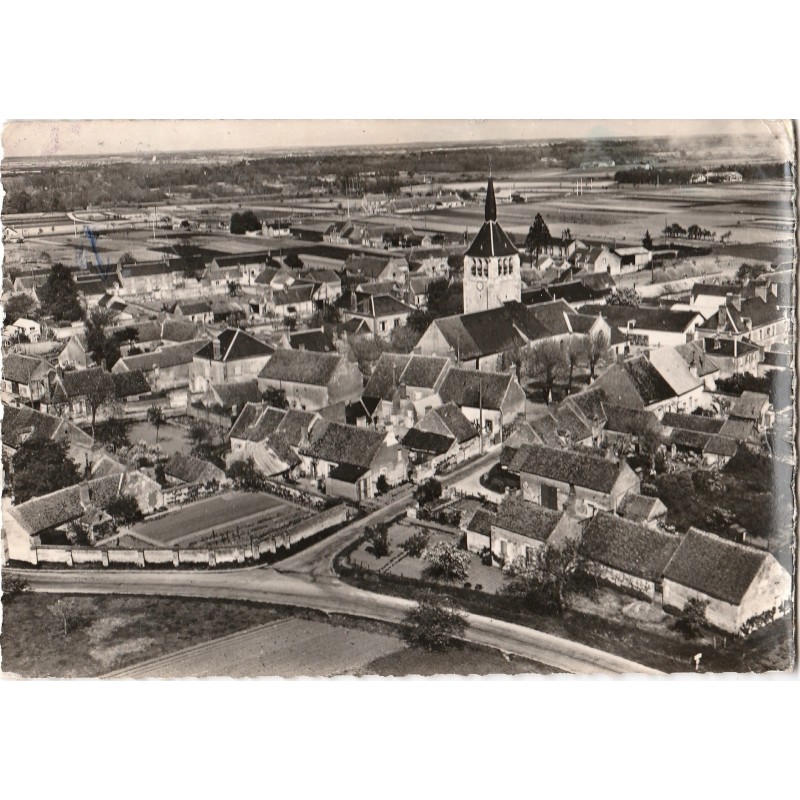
[[474, 270]]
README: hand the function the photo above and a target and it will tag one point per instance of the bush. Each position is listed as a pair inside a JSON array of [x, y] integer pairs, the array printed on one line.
[[416, 544], [692, 618], [382, 485], [428, 492], [432, 625], [247, 476], [378, 538], [446, 563]]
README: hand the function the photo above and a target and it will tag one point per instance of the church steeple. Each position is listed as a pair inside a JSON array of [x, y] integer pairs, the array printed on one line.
[[490, 214]]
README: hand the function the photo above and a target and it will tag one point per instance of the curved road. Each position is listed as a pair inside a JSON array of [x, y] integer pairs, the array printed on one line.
[[307, 580]]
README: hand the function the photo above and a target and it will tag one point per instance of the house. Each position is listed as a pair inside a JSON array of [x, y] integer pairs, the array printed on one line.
[[22, 424], [688, 388], [152, 278], [648, 326], [315, 340], [449, 422], [744, 587], [297, 301], [25, 377], [642, 509], [630, 426], [377, 268], [185, 469], [637, 383], [351, 460], [220, 280], [76, 353], [198, 311], [627, 554], [758, 319], [732, 356], [329, 283], [429, 452], [602, 259], [232, 355], [25, 524], [28, 328], [272, 437], [478, 531], [232, 397], [707, 297], [312, 380], [73, 393], [521, 528], [166, 368], [700, 363], [415, 292], [382, 313], [490, 400], [633, 259], [557, 478]]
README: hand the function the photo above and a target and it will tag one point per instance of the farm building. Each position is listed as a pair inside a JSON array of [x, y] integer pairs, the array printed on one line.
[[743, 586]]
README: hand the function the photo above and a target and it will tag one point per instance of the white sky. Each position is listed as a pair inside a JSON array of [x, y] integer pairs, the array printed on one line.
[[105, 137]]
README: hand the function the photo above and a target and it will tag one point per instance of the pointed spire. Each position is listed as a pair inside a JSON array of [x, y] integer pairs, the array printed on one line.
[[491, 205]]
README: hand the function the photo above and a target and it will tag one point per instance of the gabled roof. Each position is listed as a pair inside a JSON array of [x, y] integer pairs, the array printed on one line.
[[694, 354], [315, 341], [474, 388], [738, 429], [714, 566], [632, 421], [298, 366], [23, 369], [481, 522], [22, 424], [750, 405], [385, 378], [641, 508], [382, 305], [674, 370], [257, 421], [567, 466], [522, 517], [428, 442], [629, 547], [424, 371], [455, 422], [190, 469], [646, 317], [235, 345], [344, 444], [192, 307], [692, 422], [237, 394], [165, 357], [758, 311], [480, 334]]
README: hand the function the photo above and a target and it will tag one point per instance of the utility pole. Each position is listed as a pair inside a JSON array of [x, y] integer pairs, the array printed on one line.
[[480, 406]]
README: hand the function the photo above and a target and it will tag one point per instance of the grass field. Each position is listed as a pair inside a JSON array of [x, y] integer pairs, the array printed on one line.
[[171, 438], [220, 510]]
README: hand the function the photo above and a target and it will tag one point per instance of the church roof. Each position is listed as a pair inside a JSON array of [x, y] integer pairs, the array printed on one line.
[[491, 240]]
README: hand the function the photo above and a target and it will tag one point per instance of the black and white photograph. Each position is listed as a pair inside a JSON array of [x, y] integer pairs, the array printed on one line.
[[299, 398]]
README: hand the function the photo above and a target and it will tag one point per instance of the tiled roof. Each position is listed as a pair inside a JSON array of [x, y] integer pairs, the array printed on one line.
[[237, 394], [632, 421], [750, 405], [168, 356], [385, 377], [481, 522], [295, 425], [427, 442], [127, 384], [383, 305], [629, 547], [21, 424], [256, 421], [695, 355], [520, 516], [22, 369], [728, 348], [235, 345], [755, 309], [479, 334], [641, 508], [738, 429], [646, 317], [692, 422], [674, 370], [473, 388], [423, 371], [455, 421], [721, 446], [715, 567], [296, 366], [315, 341], [190, 469], [173, 330], [344, 444], [196, 307], [567, 466]]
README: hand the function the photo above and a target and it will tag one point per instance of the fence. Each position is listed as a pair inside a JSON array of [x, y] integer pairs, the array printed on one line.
[[210, 557]]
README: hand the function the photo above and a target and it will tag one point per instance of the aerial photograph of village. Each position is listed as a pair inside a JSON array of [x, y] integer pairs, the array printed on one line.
[[438, 407]]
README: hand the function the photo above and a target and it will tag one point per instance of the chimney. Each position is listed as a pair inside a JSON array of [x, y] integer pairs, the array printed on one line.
[[722, 318], [217, 350], [761, 291], [735, 300]]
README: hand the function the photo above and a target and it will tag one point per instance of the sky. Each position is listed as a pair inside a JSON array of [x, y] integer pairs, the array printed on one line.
[[108, 137]]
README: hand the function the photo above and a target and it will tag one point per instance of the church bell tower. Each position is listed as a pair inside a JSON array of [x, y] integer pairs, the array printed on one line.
[[491, 265]]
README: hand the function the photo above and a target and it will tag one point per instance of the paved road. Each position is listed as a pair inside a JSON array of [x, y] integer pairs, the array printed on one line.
[[307, 580]]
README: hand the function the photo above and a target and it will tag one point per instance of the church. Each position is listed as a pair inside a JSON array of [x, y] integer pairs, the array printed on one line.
[[491, 264]]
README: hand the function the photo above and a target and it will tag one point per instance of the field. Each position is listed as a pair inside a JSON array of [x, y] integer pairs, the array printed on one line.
[[170, 638], [171, 438], [217, 511]]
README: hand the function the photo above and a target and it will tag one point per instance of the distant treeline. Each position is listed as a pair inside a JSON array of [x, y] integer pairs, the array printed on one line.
[[749, 172]]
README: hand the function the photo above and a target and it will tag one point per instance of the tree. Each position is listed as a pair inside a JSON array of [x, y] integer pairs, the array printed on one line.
[[538, 236], [19, 306], [59, 295], [446, 562], [543, 582], [624, 297], [692, 618], [515, 356], [382, 485], [378, 537], [596, 345], [71, 612], [432, 625], [546, 360], [113, 432], [40, 467], [576, 351], [749, 272], [105, 349], [275, 397], [244, 222], [416, 544], [201, 437], [647, 241], [428, 491], [155, 416], [247, 476], [99, 391], [125, 510], [13, 587]]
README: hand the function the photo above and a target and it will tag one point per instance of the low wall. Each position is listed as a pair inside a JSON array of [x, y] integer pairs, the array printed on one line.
[[313, 525]]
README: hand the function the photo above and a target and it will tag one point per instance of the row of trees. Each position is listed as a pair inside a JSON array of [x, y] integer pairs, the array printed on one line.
[[677, 231]]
